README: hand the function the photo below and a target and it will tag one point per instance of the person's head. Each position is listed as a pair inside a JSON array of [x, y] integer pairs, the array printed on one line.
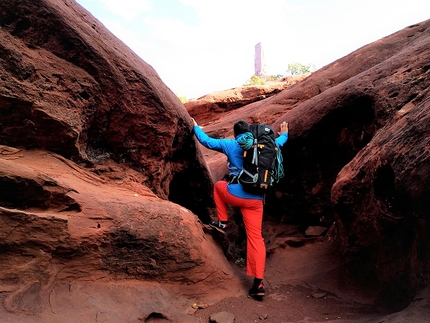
[[240, 127]]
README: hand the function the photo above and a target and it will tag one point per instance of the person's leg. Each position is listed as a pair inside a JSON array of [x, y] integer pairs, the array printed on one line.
[[220, 193], [252, 213]]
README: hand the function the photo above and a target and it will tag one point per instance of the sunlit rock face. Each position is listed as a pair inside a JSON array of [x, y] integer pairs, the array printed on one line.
[[69, 86], [101, 185], [67, 234]]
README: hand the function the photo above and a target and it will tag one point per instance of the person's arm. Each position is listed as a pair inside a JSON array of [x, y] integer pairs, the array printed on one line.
[[205, 140], [283, 134]]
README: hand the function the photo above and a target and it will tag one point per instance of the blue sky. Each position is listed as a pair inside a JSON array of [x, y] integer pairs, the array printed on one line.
[[202, 46]]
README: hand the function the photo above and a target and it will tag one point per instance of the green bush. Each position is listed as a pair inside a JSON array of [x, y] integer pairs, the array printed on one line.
[[299, 69], [274, 77], [254, 80]]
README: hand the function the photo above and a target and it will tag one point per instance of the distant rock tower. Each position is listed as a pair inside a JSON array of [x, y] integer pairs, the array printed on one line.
[[259, 63]]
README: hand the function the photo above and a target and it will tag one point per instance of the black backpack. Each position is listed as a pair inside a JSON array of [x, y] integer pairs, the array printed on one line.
[[262, 165]]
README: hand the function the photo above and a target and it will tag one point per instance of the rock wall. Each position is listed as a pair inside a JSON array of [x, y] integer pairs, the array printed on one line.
[[381, 204], [350, 111], [69, 86], [67, 235], [329, 129], [101, 184]]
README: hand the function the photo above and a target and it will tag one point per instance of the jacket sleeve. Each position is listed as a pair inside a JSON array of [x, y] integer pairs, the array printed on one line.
[[282, 139], [208, 142]]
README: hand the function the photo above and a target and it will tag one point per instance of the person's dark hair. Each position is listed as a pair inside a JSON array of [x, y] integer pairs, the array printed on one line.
[[240, 127]]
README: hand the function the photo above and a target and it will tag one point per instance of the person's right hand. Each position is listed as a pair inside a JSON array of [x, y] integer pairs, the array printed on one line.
[[284, 127], [194, 121]]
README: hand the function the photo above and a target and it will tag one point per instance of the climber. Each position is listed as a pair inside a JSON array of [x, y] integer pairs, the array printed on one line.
[[232, 193]]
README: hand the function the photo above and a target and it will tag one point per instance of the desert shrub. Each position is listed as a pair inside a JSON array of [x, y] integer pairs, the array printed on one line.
[[274, 77], [254, 80], [299, 69]]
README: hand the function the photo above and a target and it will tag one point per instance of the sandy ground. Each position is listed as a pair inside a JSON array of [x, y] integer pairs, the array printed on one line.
[[302, 286]]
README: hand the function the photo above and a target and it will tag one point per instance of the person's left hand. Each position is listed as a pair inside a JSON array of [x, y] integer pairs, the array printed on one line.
[[283, 127]]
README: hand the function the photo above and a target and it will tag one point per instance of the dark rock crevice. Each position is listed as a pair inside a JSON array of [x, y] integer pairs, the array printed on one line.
[[317, 160]]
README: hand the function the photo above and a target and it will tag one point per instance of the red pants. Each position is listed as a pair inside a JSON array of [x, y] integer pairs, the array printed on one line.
[[252, 212]]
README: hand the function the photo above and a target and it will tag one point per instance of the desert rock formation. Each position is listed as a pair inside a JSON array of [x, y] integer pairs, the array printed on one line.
[[357, 159], [104, 188], [69, 86], [100, 178]]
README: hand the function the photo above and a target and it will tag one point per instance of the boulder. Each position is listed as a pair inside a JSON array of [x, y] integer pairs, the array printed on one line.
[[330, 129], [102, 188], [62, 225], [382, 207], [69, 86]]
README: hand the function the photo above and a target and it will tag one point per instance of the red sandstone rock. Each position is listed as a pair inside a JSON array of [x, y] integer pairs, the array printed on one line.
[[72, 92], [65, 226], [211, 107], [69, 86], [329, 126], [382, 207], [334, 115]]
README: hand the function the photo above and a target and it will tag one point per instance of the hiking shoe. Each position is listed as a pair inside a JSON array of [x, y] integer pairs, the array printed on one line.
[[257, 290], [218, 225]]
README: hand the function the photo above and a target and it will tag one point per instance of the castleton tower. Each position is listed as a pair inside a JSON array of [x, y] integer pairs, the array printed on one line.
[[259, 63]]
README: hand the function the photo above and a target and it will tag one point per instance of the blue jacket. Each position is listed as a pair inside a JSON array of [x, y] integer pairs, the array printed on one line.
[[234, 154]]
